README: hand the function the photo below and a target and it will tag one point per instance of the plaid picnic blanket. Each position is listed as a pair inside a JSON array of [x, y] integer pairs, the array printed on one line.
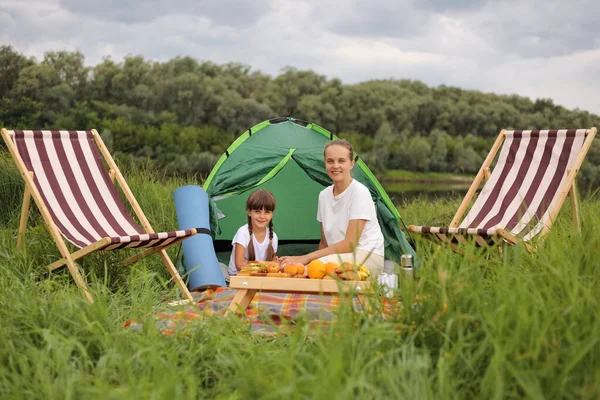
[[266, 313]]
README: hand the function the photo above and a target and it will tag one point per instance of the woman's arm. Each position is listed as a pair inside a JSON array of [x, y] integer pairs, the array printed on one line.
[[240, 257], [346, 245], [323, 241]]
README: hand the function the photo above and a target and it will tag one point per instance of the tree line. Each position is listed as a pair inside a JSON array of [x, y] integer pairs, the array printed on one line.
[[182, 114]]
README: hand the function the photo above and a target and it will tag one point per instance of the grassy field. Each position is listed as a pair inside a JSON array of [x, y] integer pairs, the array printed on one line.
[[514, 325]]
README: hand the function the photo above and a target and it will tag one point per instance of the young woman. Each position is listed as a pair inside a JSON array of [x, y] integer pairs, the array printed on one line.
[[255, 241], [350, 230]]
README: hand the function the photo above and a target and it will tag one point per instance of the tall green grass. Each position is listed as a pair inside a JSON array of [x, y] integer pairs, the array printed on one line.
[[510, 325]]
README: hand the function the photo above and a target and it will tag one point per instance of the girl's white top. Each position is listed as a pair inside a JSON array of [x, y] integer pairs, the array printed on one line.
[[242, 237]]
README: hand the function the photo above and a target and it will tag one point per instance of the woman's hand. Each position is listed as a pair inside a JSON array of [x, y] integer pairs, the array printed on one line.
[[295, 260], [278, 260]]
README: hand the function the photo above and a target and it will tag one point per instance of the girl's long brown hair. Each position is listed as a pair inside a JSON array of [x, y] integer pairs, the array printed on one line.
[[260, 200]]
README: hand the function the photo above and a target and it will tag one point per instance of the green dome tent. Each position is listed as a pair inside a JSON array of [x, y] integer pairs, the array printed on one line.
[[285, 156]]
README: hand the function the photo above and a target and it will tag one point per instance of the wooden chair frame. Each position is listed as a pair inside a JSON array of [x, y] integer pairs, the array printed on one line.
[[69, 258], [569, 187]]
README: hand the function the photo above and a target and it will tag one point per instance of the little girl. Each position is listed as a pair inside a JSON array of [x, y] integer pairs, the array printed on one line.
[[255, 241]]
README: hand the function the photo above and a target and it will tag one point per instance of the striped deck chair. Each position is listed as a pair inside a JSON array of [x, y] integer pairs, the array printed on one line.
[[524, 193], [64, 172]]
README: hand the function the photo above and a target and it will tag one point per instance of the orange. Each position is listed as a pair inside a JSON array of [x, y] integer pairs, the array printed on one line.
[[273, 268], [289, 269], [294, 269], [330, 268], [316, 269]]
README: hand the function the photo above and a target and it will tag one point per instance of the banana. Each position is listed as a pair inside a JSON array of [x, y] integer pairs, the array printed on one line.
[[365, 270]]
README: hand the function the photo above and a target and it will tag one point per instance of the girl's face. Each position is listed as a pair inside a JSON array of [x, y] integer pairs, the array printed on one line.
[[338, 163], [260, 218]]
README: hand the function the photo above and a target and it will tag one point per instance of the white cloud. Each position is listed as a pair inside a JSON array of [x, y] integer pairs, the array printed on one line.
[[533, 48]]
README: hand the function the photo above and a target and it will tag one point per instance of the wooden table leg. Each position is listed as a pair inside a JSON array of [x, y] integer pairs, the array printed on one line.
[[366, 304], [241, 300]]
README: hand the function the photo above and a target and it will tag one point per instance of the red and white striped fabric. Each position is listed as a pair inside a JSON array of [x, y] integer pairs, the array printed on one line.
[[523, 186], [71, 177]]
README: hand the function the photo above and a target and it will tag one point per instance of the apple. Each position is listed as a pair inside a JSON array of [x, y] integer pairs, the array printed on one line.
[[272, 268]]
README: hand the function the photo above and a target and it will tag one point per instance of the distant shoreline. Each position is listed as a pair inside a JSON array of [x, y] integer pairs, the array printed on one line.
[[399, 176]]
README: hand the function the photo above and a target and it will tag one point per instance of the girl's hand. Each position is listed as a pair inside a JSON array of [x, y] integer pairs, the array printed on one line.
[[295, 260]]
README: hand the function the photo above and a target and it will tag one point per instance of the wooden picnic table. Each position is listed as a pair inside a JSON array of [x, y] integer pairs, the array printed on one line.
[[247, 287]]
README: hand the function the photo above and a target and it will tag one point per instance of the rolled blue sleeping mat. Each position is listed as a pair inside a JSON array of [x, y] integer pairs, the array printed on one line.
[[199, 258]]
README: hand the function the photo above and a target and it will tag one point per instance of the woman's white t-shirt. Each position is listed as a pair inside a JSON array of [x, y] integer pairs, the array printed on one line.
[[335, 212], [242, 237]]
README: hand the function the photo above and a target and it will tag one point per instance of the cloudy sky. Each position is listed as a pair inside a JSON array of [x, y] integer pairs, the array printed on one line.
[[535, 48]]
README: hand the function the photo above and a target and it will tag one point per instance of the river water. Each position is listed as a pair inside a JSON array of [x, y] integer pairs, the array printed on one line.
[[401, 193]]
